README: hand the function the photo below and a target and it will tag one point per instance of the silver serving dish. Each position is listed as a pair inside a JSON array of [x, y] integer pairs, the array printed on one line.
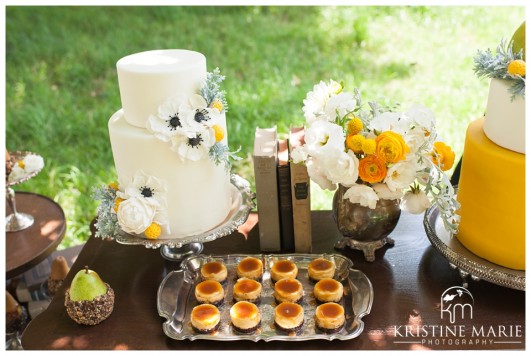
[[465, 261], [176, 300], [242, 204]]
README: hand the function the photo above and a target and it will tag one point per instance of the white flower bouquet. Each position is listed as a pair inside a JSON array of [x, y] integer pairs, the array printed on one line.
[[376, 153]]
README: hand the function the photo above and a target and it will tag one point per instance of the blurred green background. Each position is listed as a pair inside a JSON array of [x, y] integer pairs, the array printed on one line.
[[61, 84]]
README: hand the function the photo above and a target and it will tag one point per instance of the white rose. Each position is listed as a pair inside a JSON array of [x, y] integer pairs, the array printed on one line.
[[415, 202], [323, 138], [135, 215], [340, 105], [299, 155], [391, 121], [342, 168], [33, 163], [315, 102], [383, 192], [315, 171], [401, 175], [362, 195]]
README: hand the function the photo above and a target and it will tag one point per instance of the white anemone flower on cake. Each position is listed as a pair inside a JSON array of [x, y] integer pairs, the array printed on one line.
[[315, 102], [363, 195], [342, 168], [143, 185], [194, 145], [169, 120], [197, 113], [323, 139]]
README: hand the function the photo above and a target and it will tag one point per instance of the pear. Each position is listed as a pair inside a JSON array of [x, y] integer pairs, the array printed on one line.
[[58, 272], [16, 315], [518, 40], [89, 300]]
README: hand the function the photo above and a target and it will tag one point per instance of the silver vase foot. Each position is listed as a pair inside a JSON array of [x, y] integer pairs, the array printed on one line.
[[368, 247], [180, 253], [18, 221]]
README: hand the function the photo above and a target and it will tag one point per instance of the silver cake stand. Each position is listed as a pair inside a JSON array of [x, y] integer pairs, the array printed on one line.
[[177, 248], [467, 263], [18, 221]]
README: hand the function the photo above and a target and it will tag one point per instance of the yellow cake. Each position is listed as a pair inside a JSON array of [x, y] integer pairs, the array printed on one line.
[[492, 197]]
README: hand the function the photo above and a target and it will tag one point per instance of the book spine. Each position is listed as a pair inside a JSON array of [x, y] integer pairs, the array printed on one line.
[[265, 173], [300, 197], [285, 207]]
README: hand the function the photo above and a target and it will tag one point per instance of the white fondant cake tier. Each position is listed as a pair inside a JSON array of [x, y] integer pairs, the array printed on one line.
[[505, 118], [198, 193], [147, 79]]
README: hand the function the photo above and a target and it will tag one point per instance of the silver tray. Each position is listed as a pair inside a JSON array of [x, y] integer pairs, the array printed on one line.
[[242, 204], [176, 300], [465, 261]]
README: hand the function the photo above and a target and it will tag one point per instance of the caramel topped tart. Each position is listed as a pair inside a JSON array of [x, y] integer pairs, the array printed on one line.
[[214, 270], [245, 317], [289, 317], [250, 267], [288, 290], [283, 269], [329, 317]]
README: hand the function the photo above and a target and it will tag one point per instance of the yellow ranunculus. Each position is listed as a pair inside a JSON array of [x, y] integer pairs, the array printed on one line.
[[391, 147], [442, 155], [372, 169]]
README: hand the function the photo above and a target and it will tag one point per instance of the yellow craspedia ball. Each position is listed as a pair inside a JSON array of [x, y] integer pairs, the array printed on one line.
[[368, 146], [113, 186], [354, 126], [218, 132], [153, 231], [354, 142], [217, 105], [516, 67], [117, 203]]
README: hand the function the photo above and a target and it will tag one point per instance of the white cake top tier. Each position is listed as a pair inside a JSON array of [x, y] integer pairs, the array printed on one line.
[[148, 79], [505, 117]]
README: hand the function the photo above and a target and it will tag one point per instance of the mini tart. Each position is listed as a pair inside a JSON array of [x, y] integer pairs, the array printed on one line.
[[251, 268], [328, 290], [283, 269], [289, 317], [245, 317], [214, 270], [248, 290], [288, 290], [205, 318], [321, 268], [209, 292], [90, 312], [329, 317]]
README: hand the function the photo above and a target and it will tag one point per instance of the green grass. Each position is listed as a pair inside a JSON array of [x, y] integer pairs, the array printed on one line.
[[61, 85]]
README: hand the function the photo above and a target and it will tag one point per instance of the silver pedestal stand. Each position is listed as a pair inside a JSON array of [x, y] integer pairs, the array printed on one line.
[[18, 221], [179, 248]]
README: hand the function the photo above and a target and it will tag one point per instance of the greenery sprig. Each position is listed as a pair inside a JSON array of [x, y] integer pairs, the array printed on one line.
[[107, 223], [220, 154], [211, 89]]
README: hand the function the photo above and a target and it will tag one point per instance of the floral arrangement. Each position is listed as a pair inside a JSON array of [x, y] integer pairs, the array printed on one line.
[[503, 64], [29, 164], [192, 124], [136, 207], [375, 152]]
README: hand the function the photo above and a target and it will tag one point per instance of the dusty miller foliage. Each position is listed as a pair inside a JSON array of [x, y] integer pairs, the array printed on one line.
[[220, 154], [211, 89], [107, 222], [488, 64]]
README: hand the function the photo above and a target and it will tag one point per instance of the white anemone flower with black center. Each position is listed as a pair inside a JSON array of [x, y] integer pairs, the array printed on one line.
[[169, 120], [196, 113], [143, 185], [194, 145]]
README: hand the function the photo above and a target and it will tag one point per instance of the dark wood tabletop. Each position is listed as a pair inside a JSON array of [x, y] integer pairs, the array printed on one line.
[[27, 248], [408, 280]]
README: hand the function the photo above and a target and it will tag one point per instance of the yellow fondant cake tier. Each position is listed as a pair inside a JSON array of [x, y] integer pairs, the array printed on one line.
[[492, 197]]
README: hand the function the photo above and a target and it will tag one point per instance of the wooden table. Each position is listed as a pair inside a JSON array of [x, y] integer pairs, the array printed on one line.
[[408, 280], [27, 248]]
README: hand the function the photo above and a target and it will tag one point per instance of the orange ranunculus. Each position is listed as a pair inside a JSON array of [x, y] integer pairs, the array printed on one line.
[[391, 147], [372, 169], [442, 155]]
